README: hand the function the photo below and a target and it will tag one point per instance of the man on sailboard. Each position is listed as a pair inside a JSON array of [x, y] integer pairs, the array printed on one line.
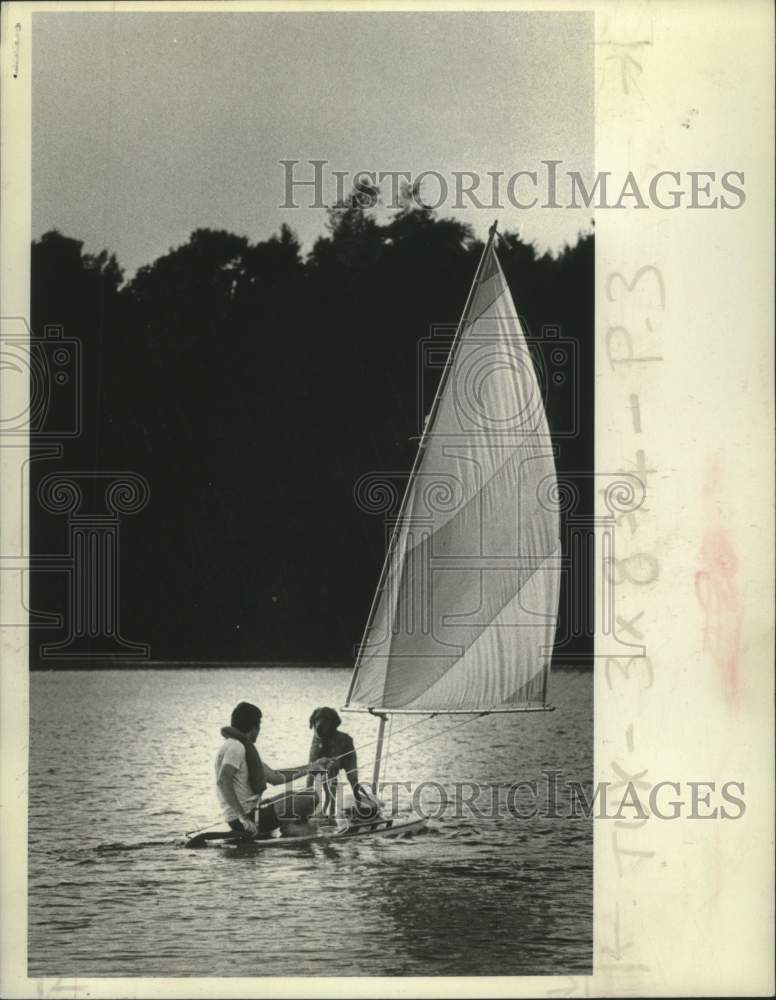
[[242, 777]]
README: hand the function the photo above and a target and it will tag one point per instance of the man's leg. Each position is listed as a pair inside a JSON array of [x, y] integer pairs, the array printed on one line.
[[236, 825], [265, 819]]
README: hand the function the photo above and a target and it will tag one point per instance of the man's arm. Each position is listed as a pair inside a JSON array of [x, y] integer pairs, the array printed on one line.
[[282, 775], [226, 784]]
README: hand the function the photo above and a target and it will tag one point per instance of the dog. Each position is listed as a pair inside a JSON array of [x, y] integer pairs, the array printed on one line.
[[328, 741]]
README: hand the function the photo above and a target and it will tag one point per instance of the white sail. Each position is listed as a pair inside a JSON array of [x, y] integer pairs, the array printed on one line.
[[465, 614]]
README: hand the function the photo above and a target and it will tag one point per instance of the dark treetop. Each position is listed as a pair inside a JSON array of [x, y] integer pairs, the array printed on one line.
[[252, 387]]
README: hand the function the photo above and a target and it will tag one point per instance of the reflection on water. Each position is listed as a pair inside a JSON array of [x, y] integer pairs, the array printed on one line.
[[121, 765]]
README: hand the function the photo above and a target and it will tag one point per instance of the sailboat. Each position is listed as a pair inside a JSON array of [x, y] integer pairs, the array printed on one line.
[[464, 614]]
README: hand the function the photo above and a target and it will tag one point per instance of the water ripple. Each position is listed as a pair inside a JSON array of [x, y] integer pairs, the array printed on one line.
[[112, 893]]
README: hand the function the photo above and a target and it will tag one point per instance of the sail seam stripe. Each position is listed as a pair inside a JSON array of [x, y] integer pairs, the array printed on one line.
[[488, 625], [481, 313], [409, 550]]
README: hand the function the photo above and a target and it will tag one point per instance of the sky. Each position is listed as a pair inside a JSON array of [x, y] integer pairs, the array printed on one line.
[[147, 126]]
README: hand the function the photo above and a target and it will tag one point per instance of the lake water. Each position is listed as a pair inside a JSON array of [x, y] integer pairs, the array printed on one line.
[[121, 766]]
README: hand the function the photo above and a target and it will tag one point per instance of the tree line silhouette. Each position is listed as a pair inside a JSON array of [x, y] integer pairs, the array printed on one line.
[[252, 386]]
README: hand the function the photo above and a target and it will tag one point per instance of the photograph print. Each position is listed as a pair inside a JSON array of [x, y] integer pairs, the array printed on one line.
[[311, 493]]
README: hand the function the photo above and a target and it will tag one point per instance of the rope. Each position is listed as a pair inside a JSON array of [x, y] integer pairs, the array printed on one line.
[[441, 732]]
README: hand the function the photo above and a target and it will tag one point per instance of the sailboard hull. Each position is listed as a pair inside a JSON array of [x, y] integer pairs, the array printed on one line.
[[390, 826]]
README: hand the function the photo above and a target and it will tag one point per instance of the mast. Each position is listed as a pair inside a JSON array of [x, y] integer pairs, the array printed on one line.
[[397, 524], [378, 751]]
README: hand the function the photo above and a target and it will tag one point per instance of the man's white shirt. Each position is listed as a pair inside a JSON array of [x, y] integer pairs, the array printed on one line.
[[233, 752]]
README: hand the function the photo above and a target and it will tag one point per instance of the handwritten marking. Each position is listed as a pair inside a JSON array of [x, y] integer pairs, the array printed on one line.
[[629, 625], [624, 669], [629, 66], [636, 569], [635, 412], [620, 852], [630, 286]]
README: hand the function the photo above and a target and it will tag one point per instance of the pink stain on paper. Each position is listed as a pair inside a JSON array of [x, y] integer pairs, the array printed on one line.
[[717, 593]]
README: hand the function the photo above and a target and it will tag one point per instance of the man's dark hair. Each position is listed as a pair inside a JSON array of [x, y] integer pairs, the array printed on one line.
[[246, 716]]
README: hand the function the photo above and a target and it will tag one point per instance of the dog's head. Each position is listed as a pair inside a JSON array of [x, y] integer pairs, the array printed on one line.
[[325, 721]]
